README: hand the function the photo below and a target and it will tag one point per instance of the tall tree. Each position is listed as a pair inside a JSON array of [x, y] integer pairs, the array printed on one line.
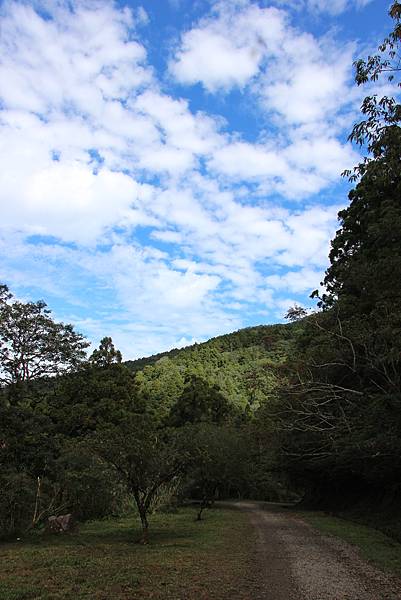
[[32, 344], [381, 114], [106, 354], [340, 414]]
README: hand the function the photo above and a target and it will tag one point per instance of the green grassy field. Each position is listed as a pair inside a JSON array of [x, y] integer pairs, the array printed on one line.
[[184, 560], [374, 546]]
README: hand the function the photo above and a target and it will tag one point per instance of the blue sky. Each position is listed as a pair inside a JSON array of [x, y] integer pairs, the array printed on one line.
[[171, 168]]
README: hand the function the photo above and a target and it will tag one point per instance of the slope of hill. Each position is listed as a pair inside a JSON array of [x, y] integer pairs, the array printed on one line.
[[241, 364]]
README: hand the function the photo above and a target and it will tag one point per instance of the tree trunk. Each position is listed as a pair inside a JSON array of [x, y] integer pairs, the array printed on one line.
[[145, 527], [203, 505], [142, 506], [37, 502]]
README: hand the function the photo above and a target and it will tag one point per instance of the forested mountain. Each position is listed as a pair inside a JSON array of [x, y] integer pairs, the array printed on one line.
[[184, 424], [243, 365]]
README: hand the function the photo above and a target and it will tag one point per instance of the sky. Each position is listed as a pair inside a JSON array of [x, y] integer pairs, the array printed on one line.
[[171, 169]]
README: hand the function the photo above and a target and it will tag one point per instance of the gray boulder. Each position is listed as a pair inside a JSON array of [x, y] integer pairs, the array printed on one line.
[[61, 523]]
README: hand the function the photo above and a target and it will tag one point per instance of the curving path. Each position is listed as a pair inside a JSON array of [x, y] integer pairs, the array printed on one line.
[[293, 561]]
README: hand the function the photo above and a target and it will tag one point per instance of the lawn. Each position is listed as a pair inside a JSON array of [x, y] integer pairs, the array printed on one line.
[[185, 559]]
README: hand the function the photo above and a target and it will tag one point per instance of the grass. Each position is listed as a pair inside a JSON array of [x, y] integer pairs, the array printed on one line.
[[184, 560], [373, 545]]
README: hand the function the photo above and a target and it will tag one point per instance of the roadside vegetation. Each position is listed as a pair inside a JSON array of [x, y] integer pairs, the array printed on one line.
[[373, 545]]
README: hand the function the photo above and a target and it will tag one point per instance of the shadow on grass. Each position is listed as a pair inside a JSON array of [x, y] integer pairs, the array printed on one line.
[[252, 504], [178, 530]]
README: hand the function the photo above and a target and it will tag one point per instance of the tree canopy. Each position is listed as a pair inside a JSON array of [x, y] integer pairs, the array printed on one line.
[[32, 344]]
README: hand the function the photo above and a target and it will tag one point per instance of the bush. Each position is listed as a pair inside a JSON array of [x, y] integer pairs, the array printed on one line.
[[17, 502]]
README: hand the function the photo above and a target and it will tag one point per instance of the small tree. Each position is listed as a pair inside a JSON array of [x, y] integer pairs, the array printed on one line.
[[295, 313], [147, 459], [32, 344], [106, 354], [218, 461]]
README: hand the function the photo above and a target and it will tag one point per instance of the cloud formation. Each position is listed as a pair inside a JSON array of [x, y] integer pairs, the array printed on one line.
[[180, 224], [332, 7]]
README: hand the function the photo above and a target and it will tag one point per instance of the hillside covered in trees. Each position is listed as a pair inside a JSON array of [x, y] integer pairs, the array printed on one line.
[[195, 409], [242, 365]]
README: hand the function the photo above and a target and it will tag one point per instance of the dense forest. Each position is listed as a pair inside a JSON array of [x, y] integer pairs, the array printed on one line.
[[308, 410]]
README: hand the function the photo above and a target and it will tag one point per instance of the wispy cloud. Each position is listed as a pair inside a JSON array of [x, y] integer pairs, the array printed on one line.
[[332, 7], [161, 222]]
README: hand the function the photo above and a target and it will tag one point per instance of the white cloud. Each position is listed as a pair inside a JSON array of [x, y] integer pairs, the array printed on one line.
[[299, 282], [332, 7], [231, 64], [294, 74], [245, 161], [302, 167], [176, 219], [227, 50]]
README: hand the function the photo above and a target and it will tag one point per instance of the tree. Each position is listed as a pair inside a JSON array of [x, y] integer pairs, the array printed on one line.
[[295, 313], [382, 114], [200, 402], [106, 354], [339, 415], [220, 465], [366, 251], [32, 344], [147, 458]]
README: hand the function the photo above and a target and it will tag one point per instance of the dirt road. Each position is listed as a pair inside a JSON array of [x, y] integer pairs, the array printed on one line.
[[293, 561]]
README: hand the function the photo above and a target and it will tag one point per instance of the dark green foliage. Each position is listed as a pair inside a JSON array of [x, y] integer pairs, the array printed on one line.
[[339, 416], [88, 485], [17, 501], [79, 402], [217, 464], [32, 345], [146, 458], [200, 402], [106, 354], [85, 441]]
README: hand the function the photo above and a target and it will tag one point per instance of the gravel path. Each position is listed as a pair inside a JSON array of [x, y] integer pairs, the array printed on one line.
[[293, 561]]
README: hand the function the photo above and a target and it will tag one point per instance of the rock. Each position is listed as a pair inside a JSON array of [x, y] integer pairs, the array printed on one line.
[[61, 523]]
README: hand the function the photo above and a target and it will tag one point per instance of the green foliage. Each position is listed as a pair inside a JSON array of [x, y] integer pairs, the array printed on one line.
[[200, 402], [88, 486], [32, 345], [221, 459], [159, 386], [106, 354], [145, 457], [238, 364], [84, 442], [17, 500], [339, 415]]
